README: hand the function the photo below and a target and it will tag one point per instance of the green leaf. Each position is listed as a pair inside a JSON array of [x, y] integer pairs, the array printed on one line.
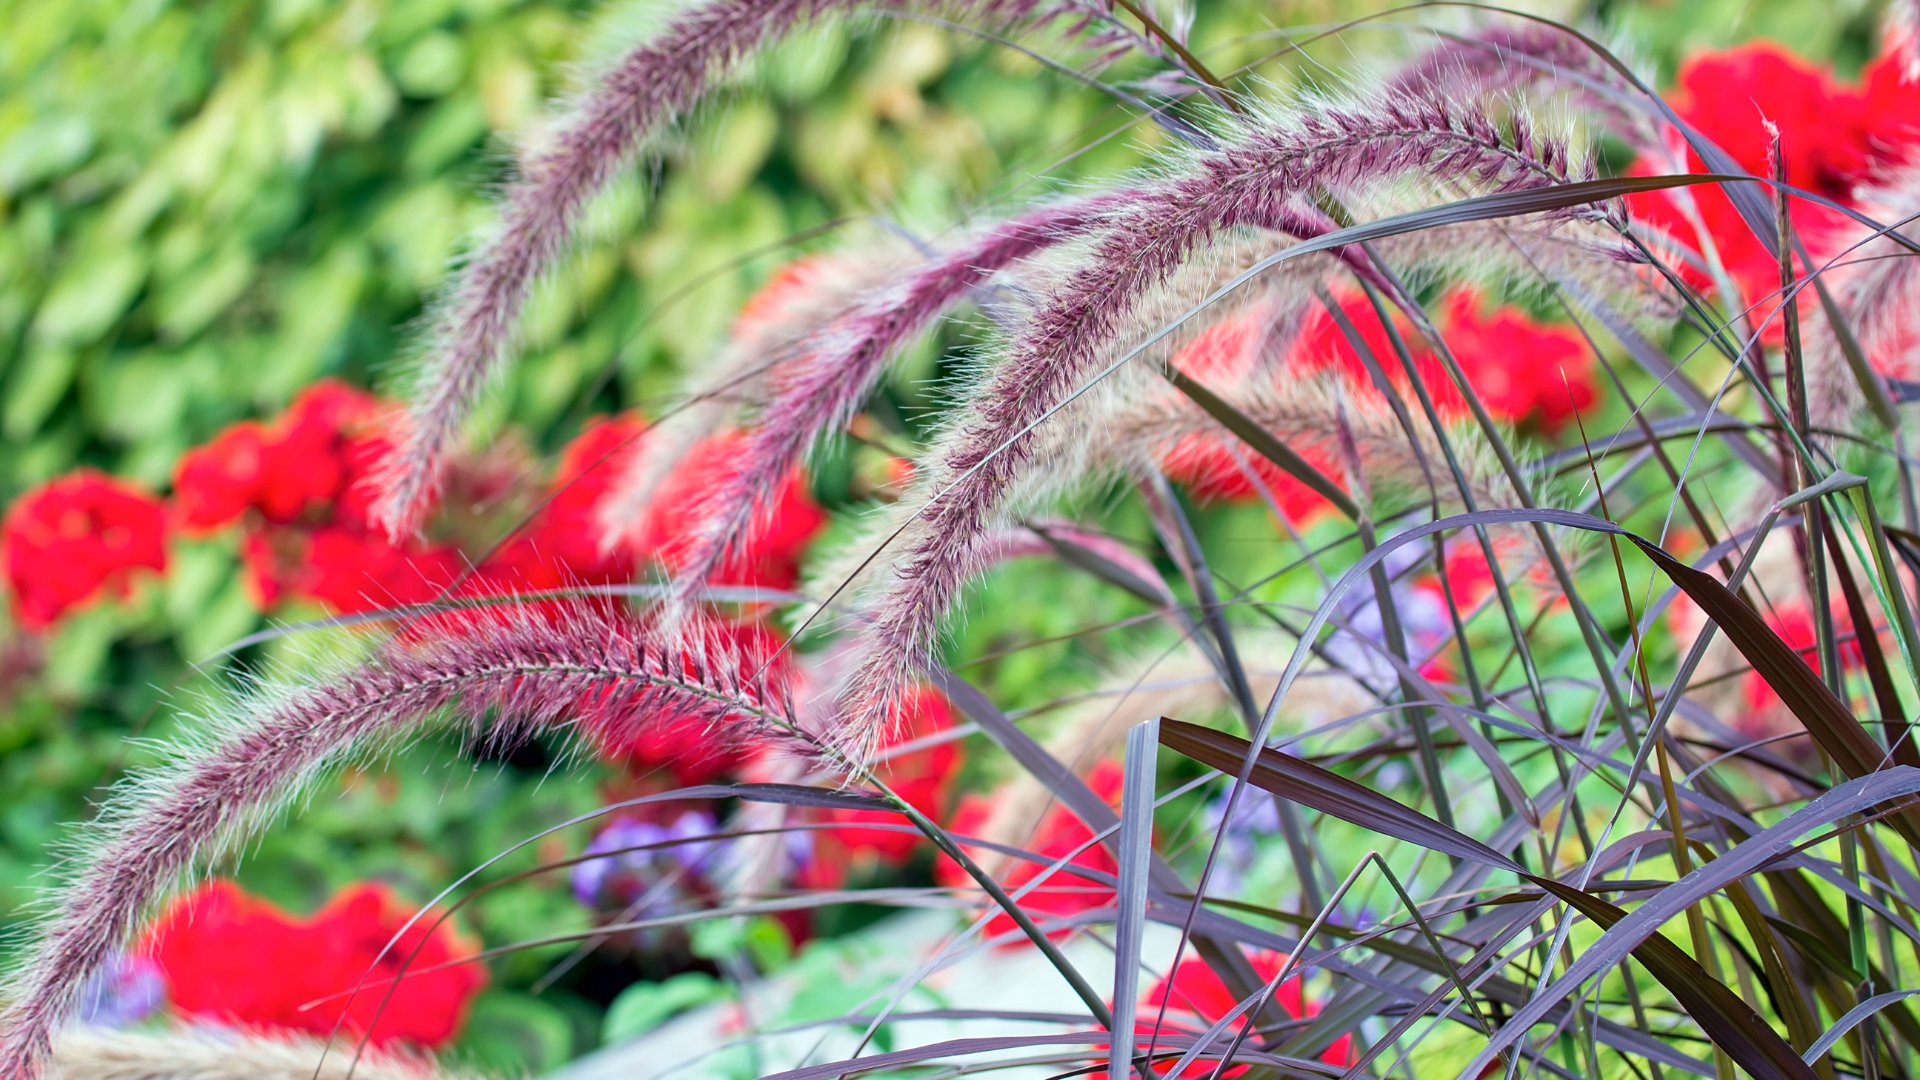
[[37, 386], [89, 295], [646, 1005], [185, 307], [45, 148], [517, 1033], [433, 65]]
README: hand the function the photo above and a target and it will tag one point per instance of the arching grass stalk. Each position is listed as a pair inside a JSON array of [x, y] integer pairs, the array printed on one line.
[[583, 670]]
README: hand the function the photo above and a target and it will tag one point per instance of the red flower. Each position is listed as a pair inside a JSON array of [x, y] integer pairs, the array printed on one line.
[[328, 438], [306, 460], [924, 778], [351, 570], [1216, 466], [216, 483], [1522, 370], [786, 288], [73, 538], [785, 523], [1765, 715], [1195, 998], [234, 959], [561, 547], [303, 478], [1513, 363], [1834, 138], [1065, 892]]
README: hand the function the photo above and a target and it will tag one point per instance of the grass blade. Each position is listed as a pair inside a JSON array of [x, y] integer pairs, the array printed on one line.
[[1136, 850], [1853, 1018]]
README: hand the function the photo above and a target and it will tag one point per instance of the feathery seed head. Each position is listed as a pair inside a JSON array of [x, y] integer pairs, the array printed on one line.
[[499, 679], [1272, 173]]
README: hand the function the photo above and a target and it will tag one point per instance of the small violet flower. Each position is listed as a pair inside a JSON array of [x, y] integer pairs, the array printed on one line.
[[625, 875], [122, 993]]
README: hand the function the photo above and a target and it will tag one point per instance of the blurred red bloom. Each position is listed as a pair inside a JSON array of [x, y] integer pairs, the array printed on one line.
[[293, 468], [1065, 892], [73, 538], [1514, 363], [1765, 715], [923, 777], [216, 483], [1196, 999], [1218, 466], [785, 523], [786, 288], [1523, 371], [303, 480], [234, 959], [352, 570], [1834, 137], [561, 546]]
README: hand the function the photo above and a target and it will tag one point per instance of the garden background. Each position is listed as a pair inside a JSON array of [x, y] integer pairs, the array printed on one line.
[[207, 207]]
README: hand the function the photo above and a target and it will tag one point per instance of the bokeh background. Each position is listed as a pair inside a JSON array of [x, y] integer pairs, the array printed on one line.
[[206, 206]]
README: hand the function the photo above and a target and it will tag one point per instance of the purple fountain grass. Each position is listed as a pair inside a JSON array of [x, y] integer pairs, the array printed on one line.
[[1877, 286], [1515, 56], [531, 671], [1306, 411], [1269, 177], [215, 1054], [822, 392], [645, 91]]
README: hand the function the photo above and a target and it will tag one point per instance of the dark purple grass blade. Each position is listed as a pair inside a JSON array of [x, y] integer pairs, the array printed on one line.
[[1726, 1018], [1220, 953], [1828, 719], [1264, 442]]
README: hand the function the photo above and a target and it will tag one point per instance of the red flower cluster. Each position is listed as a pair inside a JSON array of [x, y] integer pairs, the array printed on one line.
[[294, 469], [298, 486], [923, 777], [1215, 467], [1065, 893], [77, 537], [561, 546], [231, 958], [1833, 139], [1196, 999], [1524, 372], [786, 523]]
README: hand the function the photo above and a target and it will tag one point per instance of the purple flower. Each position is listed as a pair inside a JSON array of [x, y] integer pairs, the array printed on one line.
[[627, 876], [121, 993], [1254, 815]]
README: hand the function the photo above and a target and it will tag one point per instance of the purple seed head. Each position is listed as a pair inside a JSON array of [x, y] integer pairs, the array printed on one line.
[[547, 669], [1273, 176], [655, 83]]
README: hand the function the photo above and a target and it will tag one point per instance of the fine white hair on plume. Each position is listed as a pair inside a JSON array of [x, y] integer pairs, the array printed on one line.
[[204, 1053]]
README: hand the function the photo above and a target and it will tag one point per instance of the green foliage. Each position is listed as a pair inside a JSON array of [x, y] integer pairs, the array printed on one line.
[[646, 1005]]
